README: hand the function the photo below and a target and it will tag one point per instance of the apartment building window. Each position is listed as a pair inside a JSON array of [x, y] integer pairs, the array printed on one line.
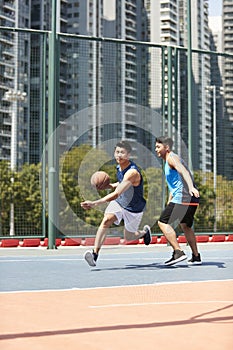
[[25, 48], [36, 13], [25, 67], [25, 135], [25, 157], [163, 6]]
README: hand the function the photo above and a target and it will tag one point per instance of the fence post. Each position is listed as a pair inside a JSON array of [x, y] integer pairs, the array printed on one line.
[[53, 167], [43, 130], [189, 31]]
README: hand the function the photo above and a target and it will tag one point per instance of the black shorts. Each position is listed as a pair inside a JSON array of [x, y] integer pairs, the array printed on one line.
[[178, 213]]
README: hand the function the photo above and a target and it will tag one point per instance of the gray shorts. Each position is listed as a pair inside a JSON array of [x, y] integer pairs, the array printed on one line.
[[179, 213]]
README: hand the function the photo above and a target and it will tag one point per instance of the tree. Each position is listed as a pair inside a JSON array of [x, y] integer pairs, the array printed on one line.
[[78, 165], [28, 200], [153, 194], [24, 192], [204, 218], [224, 202], [6, 197]]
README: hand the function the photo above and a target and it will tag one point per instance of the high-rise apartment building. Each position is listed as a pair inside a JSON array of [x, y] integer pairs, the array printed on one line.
[[215, 90], [85, 88], [201, 120], [201, 123], [169, 16], [41, 14], [95, 72], [21, 74], [14, 83], [105, 72], [132, 64], [228, 86], [171, 28]]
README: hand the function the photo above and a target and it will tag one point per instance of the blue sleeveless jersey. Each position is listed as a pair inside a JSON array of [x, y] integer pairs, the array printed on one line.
[[177, 185], [132, 199]]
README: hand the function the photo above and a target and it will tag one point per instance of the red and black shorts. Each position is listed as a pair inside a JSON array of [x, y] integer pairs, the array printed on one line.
[[179, 213]]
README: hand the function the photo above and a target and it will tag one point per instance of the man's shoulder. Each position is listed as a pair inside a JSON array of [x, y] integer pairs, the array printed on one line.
[[173, 159], [133, 165], [133, 168], [173, 155]]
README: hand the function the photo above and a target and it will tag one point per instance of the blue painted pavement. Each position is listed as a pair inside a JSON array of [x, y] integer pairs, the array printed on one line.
[[28, 269]]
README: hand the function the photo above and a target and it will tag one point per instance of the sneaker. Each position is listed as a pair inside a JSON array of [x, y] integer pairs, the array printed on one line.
[[177, 256], [91, 257], [195, 260], [147, 235]]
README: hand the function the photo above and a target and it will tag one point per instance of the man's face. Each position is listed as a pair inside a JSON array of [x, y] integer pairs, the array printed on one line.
[[161, 150], [121, 155]]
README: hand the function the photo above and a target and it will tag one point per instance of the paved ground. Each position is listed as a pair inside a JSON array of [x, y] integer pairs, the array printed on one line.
[[52, 300], [64, 268]]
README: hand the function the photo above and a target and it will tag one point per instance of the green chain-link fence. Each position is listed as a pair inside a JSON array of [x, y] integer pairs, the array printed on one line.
[[105, 90]]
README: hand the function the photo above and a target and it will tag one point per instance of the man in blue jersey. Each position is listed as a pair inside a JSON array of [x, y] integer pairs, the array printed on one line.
[[126, 203], [182, 203]]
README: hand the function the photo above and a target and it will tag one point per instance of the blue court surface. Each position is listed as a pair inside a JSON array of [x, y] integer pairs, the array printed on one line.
[[34, 269]]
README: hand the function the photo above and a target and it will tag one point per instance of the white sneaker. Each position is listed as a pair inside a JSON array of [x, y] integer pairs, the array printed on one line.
[[90, 257]]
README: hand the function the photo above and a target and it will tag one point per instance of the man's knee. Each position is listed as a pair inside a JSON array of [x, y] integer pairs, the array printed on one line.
[[165, 228], [183, 225], [161, 224], [108, 221], [186, 227]]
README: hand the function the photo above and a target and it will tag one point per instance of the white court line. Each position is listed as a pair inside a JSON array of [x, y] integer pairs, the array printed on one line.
[[52, 259], [159, 303], [111, 287], [40, 260]]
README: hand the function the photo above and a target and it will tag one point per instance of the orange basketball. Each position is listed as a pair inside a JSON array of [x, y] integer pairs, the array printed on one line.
[[100, 180]]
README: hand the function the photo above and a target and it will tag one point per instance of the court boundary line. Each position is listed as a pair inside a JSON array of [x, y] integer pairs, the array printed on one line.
[[159, 303], [113, 287], [51, 259]]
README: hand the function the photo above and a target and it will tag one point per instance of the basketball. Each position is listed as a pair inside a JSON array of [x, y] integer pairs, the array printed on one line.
[[100, 180]]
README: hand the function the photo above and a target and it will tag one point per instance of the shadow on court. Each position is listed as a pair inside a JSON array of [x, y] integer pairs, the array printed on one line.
[[154, 266], [192, 321], [111, 318]]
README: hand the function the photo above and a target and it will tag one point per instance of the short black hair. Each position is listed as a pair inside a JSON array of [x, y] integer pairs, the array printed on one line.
[[125, 145], [165, 141]]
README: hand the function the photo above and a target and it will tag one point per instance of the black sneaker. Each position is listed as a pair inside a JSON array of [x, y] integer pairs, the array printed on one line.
[[195, 260], [147, 235], [177, 256], [91, 257]]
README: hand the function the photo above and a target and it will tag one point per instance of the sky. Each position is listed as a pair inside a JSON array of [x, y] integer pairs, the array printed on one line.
[[215, 7]]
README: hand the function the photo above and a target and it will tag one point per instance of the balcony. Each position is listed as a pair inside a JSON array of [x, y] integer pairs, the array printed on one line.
[[5, 133]]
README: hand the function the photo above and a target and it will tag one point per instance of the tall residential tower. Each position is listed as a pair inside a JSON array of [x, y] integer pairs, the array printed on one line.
[[228, 86]]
